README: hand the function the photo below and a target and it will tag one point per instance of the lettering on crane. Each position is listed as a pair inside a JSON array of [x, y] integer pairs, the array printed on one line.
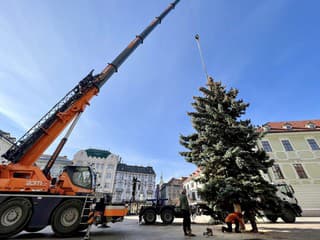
[[35, 183]]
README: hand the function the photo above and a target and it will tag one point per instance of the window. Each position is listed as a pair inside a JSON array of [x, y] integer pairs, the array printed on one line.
[[313, 144], [287, 145], [287, 126], [266, 146], [81, 176], [110, 166], [300, 171], [118, 197], [193, 196], [310, 125], [277, 171], [108, 175]]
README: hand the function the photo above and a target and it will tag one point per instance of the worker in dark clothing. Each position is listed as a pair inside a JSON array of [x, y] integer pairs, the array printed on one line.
[[235, 218], [100, 207], [185, 209], [251, 216]]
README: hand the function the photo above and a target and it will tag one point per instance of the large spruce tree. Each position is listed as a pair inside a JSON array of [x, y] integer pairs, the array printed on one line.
[[224, 146]]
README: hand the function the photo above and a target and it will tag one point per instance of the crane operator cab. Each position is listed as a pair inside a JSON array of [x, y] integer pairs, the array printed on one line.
[[75, 180]]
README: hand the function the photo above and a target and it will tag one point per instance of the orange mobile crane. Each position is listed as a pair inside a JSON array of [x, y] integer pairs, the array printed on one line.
[[29, 199]]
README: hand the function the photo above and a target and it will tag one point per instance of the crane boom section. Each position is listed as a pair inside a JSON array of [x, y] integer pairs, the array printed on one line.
[[62, 119], [30, 146], [116, 63]]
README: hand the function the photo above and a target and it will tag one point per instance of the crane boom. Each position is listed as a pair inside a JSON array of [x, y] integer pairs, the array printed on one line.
[[37, 199], [31, 145]]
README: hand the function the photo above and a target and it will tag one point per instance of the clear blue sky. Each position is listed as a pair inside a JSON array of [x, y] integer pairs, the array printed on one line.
[[268, 49]]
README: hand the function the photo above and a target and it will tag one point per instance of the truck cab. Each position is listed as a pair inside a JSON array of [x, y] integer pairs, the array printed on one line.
[[288, 208]]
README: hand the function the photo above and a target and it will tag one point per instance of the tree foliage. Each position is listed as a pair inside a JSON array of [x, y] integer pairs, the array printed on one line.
[[224, 146]]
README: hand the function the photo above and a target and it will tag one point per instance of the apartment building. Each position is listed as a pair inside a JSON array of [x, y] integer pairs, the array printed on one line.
[[130, 176], [105, 165], [295, 147], [192, 186], [172, 190], [58, 166]]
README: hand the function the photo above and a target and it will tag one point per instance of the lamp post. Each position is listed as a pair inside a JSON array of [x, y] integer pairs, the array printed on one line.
[[134, 186]]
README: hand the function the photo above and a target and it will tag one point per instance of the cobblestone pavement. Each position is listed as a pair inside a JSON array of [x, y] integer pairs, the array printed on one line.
[[304, 228]]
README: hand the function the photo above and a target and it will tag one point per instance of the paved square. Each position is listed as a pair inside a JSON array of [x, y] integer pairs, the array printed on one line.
[[304, 228]]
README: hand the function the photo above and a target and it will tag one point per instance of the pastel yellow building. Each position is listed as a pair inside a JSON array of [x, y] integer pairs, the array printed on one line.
[[295, 147]]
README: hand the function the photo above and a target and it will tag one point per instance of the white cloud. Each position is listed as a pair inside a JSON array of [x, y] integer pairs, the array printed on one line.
[[8, 107]]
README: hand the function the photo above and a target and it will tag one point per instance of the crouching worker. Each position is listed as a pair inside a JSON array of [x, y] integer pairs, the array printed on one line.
[[235, 218]]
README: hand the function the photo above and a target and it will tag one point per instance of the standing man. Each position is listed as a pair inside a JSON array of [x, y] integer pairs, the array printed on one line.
[[185, 209]]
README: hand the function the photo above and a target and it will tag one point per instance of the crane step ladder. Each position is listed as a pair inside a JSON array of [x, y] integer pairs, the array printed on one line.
[[87, 207], [87, 215]]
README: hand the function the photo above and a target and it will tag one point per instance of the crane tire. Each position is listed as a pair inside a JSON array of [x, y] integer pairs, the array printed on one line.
[[15, 214], [66, 218]]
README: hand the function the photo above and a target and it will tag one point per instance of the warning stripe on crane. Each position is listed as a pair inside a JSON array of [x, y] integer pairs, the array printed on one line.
[[91, 218]]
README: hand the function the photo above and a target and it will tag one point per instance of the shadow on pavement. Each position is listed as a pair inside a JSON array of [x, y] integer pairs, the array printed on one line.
[[26, 235]]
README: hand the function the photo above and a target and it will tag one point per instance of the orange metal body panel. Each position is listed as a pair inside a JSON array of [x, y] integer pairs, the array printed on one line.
[[18, 178], [57, 127], [115, 211]]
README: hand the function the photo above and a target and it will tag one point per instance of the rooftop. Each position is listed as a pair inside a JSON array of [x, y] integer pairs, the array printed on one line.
[[291, 126], [193, 175], [91, 152], [46, 157], [135, 169], [7, 137], [177, 180]]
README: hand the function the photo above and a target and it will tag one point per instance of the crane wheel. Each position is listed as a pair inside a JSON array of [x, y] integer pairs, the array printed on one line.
[[66, 218], [15, 214]]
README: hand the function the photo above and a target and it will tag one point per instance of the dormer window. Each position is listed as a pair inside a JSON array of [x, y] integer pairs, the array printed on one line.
[[287, 126], [310, 125], [266, 128]]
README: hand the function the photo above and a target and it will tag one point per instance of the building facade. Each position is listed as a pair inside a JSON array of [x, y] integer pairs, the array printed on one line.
[[128, 177], [6, 141], [57, 167], [295, 147], [105, 165], [172, 190], [192, 186]]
